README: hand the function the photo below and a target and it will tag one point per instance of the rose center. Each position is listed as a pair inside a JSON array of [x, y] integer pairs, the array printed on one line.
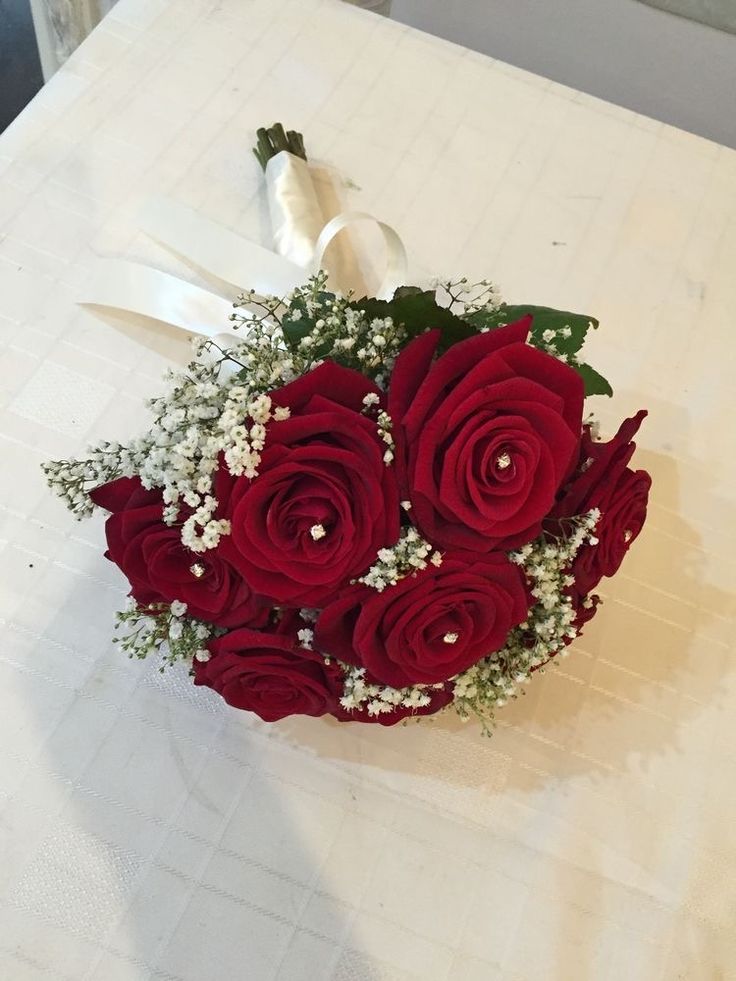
[[309, 519], [502, 466]]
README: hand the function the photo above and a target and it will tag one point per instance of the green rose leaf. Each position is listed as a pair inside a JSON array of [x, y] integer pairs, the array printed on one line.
[[554, 331], [298, 323], [560, 330], [418, 311], [595, 384]]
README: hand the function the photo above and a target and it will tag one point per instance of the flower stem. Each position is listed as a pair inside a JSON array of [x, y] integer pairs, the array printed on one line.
[[274, 139]]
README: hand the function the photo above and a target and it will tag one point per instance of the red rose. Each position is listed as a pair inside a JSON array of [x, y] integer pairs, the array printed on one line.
[[323, 503], [599, 468], [439, 698], [605, 481], [430, 625], [586, 608], [160, 569], [622, 517], [485, 436], [266, 674]]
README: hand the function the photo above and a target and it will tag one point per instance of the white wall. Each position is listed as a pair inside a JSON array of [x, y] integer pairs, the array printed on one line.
[[636, 56]]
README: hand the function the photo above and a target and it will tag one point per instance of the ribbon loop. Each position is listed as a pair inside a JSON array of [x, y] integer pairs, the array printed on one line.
[[397, 264]]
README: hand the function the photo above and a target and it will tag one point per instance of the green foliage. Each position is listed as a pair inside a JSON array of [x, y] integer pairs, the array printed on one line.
[[545, 319], [412, 311], [557, 332], [595, 384], [417, 311]]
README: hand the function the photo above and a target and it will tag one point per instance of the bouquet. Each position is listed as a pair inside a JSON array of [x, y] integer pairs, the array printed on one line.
[[370, 509]]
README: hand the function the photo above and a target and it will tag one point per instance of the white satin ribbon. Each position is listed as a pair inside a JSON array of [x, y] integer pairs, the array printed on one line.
[[396, 261], [215, 250], [296, 214], [129, 286], [233, 261]]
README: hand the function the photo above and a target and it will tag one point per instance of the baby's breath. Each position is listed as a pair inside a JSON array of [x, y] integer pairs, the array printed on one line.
[[409, 555], [466, 298], [546, 632], [164, 630], [378, 699], [384, 425]]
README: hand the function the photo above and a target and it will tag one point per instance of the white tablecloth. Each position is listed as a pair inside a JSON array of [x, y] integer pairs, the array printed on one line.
[[149, 832]]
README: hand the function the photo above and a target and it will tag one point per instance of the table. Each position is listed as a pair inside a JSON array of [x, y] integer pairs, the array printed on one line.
[[146, 831]]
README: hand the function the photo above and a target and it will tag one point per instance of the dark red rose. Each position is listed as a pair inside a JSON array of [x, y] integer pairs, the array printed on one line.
[[600, 466], [323, 503], [586, 608], [430, 625], [485, 436], [439, 698], [160, 569], [266, 674], [605, 481], [622, 517]]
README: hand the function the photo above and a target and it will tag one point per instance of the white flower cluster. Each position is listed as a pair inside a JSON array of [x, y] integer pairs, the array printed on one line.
[[202, 419], [243, 423], [384, 425], [349, 334], [546, 632], [553, 339], [550, 341], [72, 480], [164, 630], [380, 699], [306, 637], [470, 298], [410, 554]]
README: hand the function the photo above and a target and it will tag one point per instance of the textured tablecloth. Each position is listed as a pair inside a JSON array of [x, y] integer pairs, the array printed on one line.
[[148, 832]]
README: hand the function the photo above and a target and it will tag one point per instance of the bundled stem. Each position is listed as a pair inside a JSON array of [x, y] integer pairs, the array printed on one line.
[[274, 139]]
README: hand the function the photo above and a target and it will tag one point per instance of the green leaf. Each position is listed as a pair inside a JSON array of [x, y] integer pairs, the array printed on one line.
[[595, 384], [547, 319], [544, 319], [418, 311], [296, 328]]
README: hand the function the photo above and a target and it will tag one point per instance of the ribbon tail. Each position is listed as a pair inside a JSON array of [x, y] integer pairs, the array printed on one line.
[[131, 287], [216, 251]]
